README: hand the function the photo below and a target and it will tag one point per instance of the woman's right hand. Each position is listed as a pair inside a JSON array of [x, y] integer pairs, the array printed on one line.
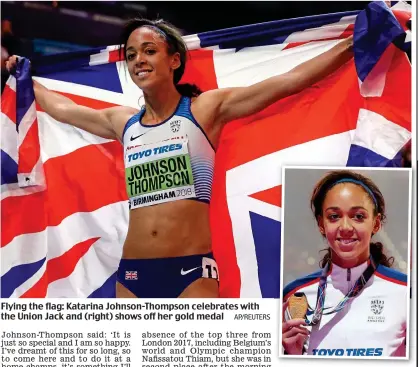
[[11, 63], [294, 334]]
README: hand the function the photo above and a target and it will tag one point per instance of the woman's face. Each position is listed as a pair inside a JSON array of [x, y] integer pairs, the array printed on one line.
[[348, 222], [148, 61]]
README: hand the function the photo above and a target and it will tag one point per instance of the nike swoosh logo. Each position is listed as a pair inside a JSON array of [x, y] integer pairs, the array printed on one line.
[[188, 271], [134, 138]]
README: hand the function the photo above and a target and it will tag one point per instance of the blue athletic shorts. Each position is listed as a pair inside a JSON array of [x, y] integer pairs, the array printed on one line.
[[165, 277]]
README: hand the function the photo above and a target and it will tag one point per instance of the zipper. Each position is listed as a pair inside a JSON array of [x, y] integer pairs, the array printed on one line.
[[348, 279]]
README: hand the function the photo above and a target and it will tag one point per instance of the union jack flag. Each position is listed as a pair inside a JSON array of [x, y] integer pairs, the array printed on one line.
[[131, 275]]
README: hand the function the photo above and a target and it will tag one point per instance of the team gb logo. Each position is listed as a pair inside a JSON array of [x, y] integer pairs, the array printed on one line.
[[377, 306], [175, 125]]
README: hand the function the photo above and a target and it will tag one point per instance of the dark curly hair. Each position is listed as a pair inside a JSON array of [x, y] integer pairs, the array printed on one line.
[[175, 42], [320, 192]]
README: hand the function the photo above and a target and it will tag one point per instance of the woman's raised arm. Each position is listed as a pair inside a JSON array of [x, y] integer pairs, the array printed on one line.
[[63, 109], [233, 103]]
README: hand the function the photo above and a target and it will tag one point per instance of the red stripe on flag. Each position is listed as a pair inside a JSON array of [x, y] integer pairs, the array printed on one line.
[[8, 103], [29, 151], [114, 56], [58, 268], [82, 181], [200, 70], [271, 196], [14, 211]]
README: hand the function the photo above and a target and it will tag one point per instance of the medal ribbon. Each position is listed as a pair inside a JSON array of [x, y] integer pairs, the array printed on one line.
[[353, 292]]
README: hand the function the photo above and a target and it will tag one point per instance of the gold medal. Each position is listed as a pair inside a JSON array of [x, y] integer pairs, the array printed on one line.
[[298, 306]]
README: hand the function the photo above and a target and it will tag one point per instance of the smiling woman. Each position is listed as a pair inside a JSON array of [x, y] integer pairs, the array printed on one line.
[[169, 153], [161, 39], [356, 305], [349, 209]]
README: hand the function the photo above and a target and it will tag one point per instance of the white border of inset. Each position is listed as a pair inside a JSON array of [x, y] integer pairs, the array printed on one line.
[[409, 270]]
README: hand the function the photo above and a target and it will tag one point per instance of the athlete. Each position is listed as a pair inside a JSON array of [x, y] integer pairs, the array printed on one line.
[[356, 305], [169, 148]]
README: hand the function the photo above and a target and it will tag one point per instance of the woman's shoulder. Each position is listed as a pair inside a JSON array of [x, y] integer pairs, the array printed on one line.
[[391, 275], [125, 110], [120, 117], [301, 283], [121, 114]]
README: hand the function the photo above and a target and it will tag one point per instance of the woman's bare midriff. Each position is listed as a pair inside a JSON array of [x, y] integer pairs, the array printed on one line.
[[173, 229]]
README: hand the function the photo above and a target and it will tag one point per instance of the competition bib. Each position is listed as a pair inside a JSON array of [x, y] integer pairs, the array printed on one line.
[[158, 173]]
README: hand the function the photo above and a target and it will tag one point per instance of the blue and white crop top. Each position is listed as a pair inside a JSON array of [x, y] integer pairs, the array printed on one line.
[[169, 161]]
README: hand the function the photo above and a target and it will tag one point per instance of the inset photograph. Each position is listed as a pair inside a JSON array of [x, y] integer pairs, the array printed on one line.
[[346, 240]]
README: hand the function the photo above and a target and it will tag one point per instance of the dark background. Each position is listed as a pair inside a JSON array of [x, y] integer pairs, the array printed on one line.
[[98, 23], [33, 28]]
